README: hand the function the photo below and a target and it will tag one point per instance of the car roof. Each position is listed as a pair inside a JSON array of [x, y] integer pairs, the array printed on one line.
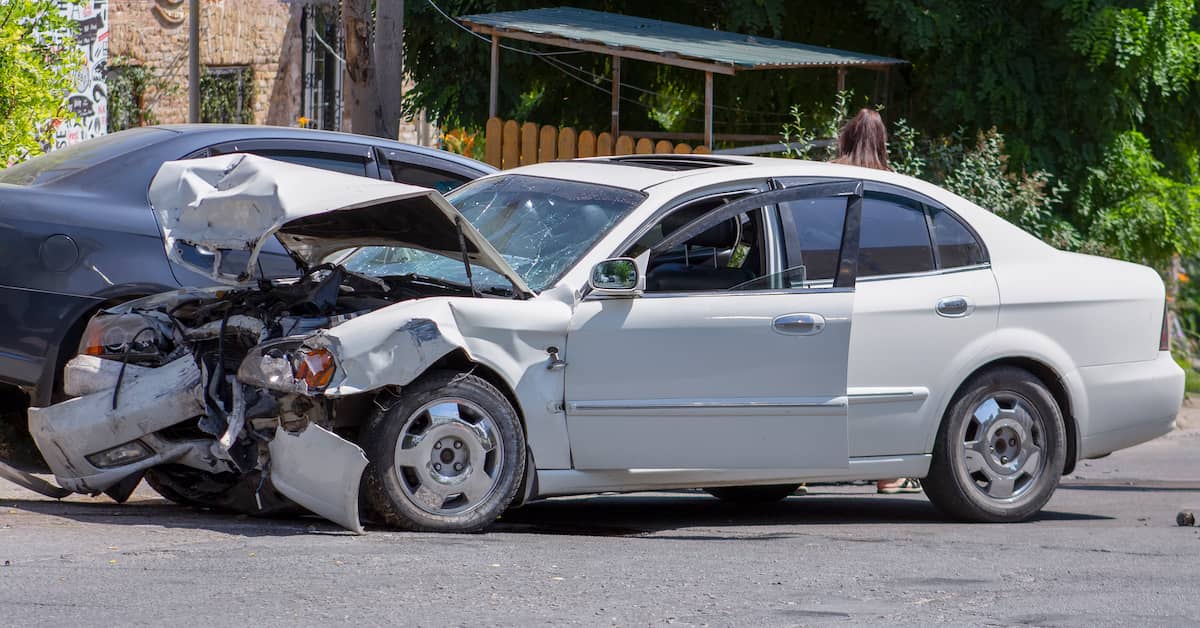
[[216, 133], [642, 172]]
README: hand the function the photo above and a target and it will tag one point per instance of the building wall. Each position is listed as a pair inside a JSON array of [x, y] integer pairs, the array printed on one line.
[[232, 33], [262, 34]]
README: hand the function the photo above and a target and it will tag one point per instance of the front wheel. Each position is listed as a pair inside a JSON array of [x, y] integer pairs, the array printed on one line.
[[1000, 449], [447, 457]]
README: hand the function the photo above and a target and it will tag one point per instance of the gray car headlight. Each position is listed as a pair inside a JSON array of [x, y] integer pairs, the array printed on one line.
[[287, 365]]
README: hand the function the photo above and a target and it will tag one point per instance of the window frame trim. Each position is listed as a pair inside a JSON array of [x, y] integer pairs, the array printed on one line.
[[312, 147]]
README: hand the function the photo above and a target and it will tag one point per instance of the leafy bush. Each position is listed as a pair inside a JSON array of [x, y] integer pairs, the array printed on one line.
[[37, 57], [974, 169], [1133, 211]]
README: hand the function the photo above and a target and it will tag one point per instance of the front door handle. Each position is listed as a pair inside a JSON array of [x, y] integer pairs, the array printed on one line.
[[802, 324], [955, 307]]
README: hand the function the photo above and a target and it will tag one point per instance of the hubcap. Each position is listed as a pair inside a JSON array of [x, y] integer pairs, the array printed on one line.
[[1001, 446], [449, 456]]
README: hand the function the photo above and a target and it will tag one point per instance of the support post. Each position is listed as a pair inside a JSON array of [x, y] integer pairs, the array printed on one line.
[[194, 61], [494, 86], [887, 88], [841, 80], [708, 109], [616, 98]]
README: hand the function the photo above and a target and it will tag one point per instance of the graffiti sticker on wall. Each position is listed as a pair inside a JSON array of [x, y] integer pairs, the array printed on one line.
[[89, 98]]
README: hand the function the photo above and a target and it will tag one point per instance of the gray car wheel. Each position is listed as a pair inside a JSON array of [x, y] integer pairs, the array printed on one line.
[[448, 456], [1000, 450]]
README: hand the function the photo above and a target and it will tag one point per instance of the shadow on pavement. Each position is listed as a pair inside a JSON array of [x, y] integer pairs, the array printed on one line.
[[632, 515], [160, 512], [598, 515], [1147, 486]]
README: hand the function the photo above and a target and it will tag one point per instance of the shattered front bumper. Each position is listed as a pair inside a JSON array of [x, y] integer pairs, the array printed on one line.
[[123, 412], [73, 433]]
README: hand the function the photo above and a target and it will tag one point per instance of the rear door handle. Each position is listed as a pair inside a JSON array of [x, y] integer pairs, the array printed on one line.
[[801, 324], [955, 307]]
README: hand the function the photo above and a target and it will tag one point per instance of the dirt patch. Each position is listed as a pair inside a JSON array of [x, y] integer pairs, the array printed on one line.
[[1189, 415]]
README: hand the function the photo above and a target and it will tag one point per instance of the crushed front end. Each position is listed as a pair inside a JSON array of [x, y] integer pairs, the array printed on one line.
[[216, 397]]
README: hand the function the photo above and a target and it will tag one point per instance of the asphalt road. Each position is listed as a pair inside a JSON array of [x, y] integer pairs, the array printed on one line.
[[1106, 551]]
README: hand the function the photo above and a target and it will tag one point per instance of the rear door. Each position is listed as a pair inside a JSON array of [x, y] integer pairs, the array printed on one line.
[[924, 295], [706, 371]]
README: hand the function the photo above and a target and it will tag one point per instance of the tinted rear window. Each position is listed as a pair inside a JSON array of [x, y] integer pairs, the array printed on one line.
[[894, 237], [956, 246], [64, 161]]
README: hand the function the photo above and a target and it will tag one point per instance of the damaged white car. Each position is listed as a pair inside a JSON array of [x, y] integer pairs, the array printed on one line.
[[616, 324]]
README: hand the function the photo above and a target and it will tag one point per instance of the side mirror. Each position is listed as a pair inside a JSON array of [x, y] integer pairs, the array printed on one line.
[[616, 277]]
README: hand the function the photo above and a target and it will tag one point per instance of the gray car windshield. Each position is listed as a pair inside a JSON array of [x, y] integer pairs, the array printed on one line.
[[541, 227]]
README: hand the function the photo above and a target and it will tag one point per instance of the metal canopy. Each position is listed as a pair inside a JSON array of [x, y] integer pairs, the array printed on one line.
[[669, 43]]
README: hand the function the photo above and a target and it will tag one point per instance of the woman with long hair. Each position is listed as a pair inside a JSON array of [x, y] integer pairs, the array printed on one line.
[[863, 142]]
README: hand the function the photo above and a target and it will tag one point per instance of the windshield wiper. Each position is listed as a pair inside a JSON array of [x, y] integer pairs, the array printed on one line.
[[462, 246]]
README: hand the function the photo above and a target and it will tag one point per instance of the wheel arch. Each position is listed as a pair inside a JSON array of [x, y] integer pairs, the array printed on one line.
[[459, 360], [1052, 379]]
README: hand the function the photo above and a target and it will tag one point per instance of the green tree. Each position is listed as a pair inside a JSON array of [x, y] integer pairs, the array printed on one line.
[[1061, 79], [37, 57], [1136, 213]]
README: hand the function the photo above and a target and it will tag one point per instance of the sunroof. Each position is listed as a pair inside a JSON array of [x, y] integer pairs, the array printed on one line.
[[675, 162]]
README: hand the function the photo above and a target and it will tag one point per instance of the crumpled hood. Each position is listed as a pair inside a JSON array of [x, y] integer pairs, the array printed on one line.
[[235, 203]]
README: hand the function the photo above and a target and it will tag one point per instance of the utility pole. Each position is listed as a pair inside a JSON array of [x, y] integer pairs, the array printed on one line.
[[361, 93], [389, 65], [193, 61]]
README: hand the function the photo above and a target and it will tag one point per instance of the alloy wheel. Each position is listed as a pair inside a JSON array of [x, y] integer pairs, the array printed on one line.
[[449, 456]]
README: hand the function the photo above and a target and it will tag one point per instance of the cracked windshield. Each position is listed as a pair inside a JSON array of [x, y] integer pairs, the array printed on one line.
[[540, 226]]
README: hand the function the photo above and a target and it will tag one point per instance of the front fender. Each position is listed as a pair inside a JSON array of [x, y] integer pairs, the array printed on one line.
[[397, 344]]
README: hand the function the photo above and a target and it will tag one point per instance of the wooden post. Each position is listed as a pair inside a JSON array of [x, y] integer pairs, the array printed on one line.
[[841, 80], [494, 86], [887, 88], [389, 70], [708, 109], [616, 97]]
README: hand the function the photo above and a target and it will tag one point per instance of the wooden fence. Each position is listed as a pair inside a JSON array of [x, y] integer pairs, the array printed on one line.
[[511, 144]]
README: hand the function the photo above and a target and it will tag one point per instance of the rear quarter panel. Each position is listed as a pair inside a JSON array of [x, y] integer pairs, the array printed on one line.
[[1100, 311], [62, 254]]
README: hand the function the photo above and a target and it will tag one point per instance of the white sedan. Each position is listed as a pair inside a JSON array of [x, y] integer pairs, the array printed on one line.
[[613, 324]]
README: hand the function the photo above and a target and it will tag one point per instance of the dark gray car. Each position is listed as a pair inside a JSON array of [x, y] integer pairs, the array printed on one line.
[[77, 232]]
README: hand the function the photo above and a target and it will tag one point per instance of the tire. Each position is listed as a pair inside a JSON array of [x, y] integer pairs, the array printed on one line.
[[225, 492], [447, 431], [1000, 450], [753, 494]]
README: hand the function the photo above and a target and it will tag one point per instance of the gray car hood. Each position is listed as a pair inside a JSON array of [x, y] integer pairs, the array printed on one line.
[[235, 203]]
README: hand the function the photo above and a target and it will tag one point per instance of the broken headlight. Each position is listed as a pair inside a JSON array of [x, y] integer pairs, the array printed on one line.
[[133, 337], [288, 366]]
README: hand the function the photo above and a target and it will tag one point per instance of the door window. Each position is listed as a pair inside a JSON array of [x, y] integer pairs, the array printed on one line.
[[956, 245], [725, 256], [425, 177], [895, 237], [348, 164], [817, 225]]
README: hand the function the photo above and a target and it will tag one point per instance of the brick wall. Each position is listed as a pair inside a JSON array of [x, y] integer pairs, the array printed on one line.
[[262, 34], [232, 32]]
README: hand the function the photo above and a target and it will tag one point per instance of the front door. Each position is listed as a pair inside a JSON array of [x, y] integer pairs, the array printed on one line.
[[727, 360]]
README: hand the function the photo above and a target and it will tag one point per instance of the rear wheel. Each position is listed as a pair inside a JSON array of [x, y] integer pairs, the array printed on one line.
[[1000, 449], [447, 457], [753, 494]]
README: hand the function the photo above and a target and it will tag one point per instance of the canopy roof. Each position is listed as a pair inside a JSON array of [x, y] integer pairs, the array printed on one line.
[[669, 43]]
